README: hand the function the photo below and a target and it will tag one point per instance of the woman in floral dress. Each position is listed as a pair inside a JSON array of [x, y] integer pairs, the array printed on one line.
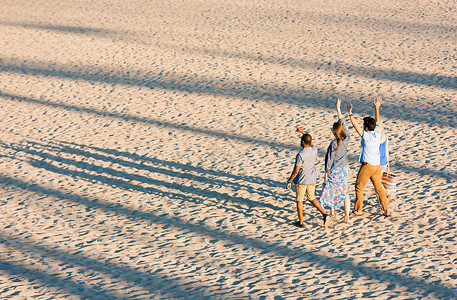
[[336, 180]]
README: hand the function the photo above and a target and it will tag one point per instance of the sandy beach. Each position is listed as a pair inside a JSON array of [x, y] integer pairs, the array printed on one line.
[[145, 148]]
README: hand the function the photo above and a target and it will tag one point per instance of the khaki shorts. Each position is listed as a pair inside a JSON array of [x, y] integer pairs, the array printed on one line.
[[308, 189]]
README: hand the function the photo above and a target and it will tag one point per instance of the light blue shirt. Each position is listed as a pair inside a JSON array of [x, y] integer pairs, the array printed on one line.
[[383, 152], [370, 147]]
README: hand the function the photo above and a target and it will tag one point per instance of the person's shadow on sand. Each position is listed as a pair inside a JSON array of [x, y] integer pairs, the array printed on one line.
[[60, 159]]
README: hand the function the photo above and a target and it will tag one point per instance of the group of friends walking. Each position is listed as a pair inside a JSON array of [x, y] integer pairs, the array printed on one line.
[[373, 161]]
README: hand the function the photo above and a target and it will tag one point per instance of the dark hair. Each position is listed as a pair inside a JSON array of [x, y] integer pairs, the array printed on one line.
[[369, 123], [306, 139], [339, 133]]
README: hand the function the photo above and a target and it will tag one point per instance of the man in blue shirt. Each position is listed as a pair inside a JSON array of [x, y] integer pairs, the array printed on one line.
[[370, 159]]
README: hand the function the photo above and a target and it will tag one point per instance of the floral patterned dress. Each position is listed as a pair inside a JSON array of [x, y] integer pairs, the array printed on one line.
[[335, 189]]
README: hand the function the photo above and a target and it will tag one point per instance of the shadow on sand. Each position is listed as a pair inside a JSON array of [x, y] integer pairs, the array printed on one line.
[[279, 146], [357, 271], [50, 157], [299, 96]]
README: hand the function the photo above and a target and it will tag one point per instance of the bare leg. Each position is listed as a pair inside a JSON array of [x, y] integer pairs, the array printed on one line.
[[318, 205], [346, 210], [300, 211]]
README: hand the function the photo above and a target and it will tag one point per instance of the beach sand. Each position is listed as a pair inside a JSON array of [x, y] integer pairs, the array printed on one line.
[[145, 147]]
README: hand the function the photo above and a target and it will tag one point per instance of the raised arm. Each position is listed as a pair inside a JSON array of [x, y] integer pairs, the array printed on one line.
[[298, 129], [351, 117], [377, 103], [383, 135], [338, 109]]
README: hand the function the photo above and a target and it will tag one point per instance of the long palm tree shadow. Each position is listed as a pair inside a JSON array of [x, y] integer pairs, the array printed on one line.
[[212, 86], [100, 32], [144, 279], [273, 144], [123, 180], [442, 81], [133, 118], [338, 19], [50, 279], [413, 284]]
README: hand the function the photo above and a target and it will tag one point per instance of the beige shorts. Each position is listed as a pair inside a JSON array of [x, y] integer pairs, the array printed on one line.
[[308, 189]]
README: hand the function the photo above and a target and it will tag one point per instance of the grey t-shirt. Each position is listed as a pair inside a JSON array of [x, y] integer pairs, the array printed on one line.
[[337, 158], [306, 159]]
